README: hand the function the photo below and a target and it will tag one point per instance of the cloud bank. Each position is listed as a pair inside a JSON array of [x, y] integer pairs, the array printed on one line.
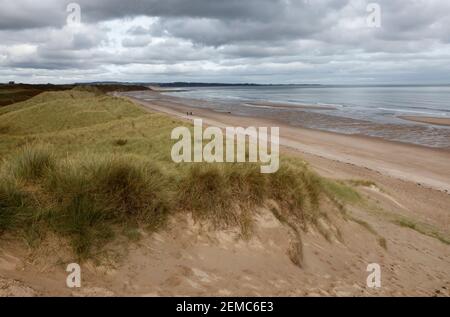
[[262, 41]]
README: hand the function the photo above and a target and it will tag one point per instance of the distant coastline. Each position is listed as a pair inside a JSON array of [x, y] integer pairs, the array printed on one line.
[[183, 84]]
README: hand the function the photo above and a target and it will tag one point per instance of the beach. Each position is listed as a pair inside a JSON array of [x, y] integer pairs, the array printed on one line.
[[417, 178], [381, 112], [427, 167], [410, 182]]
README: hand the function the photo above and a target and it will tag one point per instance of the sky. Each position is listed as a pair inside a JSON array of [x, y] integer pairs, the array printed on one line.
[[232, 41]]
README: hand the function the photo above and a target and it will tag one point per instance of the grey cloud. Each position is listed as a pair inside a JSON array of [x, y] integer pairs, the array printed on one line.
[[137, 41], [16, 15], [290, 40], [139, 30]]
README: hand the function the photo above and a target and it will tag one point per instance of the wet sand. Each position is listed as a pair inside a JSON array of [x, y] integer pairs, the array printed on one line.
[[429, 120], [274, 105], [319, 117]]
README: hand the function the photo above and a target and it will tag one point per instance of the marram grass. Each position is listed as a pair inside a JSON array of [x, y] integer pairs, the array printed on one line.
[[94, 165]]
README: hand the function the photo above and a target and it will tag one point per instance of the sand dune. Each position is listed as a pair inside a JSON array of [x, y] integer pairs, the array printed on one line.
[[188, 260]]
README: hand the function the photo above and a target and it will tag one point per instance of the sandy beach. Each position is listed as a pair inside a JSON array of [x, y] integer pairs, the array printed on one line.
[[417, 178], [412, 182]]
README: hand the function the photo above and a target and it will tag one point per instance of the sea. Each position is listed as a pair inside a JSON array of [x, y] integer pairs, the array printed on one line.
[[363, 110]]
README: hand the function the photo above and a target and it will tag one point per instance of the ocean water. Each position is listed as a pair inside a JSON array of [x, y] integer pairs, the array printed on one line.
[[365, 110]]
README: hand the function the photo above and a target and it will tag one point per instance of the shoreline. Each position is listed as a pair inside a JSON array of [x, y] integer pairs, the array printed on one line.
[[445, 122], [301, 116], [182, 105], [276, 105], [421, 165]]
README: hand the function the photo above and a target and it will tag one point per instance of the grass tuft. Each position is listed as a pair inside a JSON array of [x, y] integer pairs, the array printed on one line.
[[13, 203], [422, 229], [111, 191], [33, 161], [361, 183], [297, 190], [205, 192], [121, 142], [341, 191], [381, 241], [85, 221], [133, 188]]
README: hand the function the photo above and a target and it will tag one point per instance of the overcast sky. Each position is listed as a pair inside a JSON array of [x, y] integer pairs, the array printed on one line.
[[261, 41]]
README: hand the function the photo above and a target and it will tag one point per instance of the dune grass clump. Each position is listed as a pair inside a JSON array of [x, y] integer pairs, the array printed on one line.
[[85, 221], [204, 192], [422, 229], [86, 199], [297, 190], [135, 189], [248, 186], [33, 161], [121, 142], [340, 192], [77, 212], [95, 195], [12, 202], [228, 195]]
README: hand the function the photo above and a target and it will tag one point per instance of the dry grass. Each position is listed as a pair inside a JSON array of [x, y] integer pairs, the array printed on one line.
[[10, 94], [421, 228], [96, 166], [32, 162], [381, 240]]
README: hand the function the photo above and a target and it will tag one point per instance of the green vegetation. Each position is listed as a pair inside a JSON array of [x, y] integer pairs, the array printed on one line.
[[362, 183], [88, 167], [344, 191], [32, 162], [341, 191], [422, 228], [381, 241], [10, 94], [398, 219]]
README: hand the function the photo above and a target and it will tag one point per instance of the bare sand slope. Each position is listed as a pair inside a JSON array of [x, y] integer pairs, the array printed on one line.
[[189, 260]]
